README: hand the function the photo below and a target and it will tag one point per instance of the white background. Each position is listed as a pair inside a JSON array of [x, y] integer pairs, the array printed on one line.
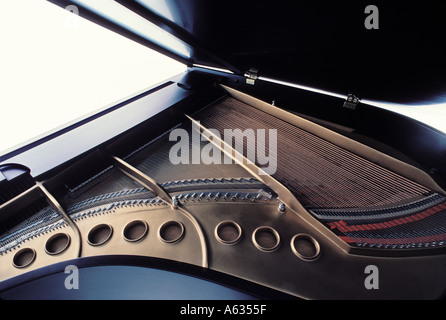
[[56, 67]]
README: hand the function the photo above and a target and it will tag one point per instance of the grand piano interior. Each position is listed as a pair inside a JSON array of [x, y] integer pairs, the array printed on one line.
[[354, 186]]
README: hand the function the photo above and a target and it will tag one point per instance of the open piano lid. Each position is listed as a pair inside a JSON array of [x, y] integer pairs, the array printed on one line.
[[323, 45]]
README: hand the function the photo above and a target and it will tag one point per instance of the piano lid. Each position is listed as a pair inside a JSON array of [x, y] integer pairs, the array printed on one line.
[[391, 51]]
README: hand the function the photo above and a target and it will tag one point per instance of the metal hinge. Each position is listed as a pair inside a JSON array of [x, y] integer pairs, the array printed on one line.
[[252, 75], [351, 102]]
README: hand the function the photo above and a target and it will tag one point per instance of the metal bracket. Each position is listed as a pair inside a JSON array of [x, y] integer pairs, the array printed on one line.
[[252, 75], [351, 102]]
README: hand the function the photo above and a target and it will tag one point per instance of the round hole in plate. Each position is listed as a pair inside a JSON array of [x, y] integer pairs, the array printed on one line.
[[24, 258], [100, 234], [135, 230], [57, 243], [171, 232], [305, 247], [266, 239], [228, 232]]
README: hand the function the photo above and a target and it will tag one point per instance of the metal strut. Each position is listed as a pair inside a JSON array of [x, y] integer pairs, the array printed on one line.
[[156, 188]]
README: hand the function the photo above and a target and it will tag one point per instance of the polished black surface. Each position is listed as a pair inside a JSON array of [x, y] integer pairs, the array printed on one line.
[[130, 278], [324, 45], [321, 44], [124, 283]]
